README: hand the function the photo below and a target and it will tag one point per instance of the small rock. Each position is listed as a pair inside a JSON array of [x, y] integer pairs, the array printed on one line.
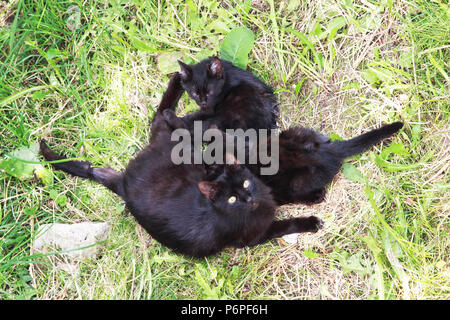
[[291, 238], [62, 237]]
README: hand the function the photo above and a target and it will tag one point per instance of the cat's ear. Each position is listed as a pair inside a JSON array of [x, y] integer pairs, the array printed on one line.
[[208, 188], [231, 160], [185, 70], [215, 68], [232, 164]]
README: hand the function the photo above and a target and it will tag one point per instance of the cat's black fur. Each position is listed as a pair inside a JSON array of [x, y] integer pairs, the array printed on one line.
[[229, 97], [308, 161], [179, 206]]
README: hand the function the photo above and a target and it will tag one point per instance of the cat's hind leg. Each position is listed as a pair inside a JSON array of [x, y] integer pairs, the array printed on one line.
[[313, 197], [308, 197], [108, 177], [280, 228]]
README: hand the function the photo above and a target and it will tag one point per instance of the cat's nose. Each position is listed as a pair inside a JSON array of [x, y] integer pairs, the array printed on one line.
[[254, 204]]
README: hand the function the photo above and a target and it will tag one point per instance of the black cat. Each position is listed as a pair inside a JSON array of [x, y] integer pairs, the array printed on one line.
[[179, 206], [229, 97], [308, 161]]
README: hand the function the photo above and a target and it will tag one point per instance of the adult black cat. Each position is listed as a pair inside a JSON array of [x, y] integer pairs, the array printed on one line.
[[179, 206], [229, 97]]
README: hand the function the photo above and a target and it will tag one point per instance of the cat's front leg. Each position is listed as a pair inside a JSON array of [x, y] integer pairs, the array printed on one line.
[[280, 228], [200, 115]]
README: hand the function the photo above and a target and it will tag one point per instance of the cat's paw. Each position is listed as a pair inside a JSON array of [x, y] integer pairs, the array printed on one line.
[[176, 78], [315, 223], [169, 114], [173, 120]]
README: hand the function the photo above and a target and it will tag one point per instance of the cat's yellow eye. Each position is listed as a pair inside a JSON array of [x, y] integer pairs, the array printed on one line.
[[232, 199], [246, 184]]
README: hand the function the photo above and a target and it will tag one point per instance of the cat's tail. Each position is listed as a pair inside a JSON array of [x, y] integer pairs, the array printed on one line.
[[363, 142], [106, 176]]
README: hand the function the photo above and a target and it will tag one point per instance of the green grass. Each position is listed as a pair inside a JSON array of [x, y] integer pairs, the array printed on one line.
[[89, 81]]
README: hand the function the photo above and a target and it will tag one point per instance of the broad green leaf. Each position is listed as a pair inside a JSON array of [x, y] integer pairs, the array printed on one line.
[[53, 194], [370, 76], [218, 26], [394, 167], [22, 169], [167, 62], [352, 173], [61, 200], [310, 254], [23, 164], [352, 85], [237, 45], [193, 17], [317, 29], [333, 27], [397, 148], [166, 257], [54, 53], [334, 137], [333, 33], [208, 291], [45, 175], [354, 263], [383, 74], [142, 45]]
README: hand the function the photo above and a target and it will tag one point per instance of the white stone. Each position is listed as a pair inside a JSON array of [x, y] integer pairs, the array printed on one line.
[[291, 238], [71, 237]]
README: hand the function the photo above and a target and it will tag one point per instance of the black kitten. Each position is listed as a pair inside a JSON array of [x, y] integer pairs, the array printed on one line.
[[308, 161], [180, 206], [228, 96]]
